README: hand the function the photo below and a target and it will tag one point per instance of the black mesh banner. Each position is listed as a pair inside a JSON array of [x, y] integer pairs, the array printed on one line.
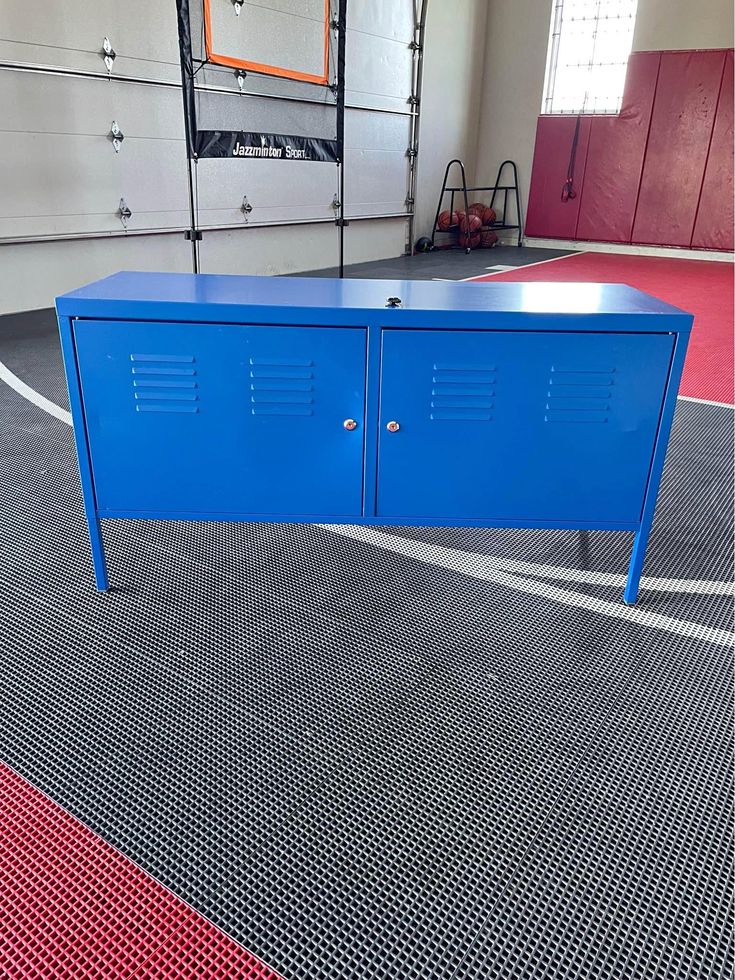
[[264, 146]]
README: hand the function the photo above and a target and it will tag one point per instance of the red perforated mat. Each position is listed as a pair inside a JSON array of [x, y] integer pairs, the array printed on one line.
[[697, 286], [71, 906]]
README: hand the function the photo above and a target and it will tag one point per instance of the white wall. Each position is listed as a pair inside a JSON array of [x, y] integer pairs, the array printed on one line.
[[517, 39], [59, 174], [452, 93], [672, 25], [515, 64]]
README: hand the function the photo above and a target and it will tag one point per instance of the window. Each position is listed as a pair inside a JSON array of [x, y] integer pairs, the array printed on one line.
[[589, 45]]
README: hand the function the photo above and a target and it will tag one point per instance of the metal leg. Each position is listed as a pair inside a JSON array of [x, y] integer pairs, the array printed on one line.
[[638, 555], [85, 465], [98, 553], [635, 568]]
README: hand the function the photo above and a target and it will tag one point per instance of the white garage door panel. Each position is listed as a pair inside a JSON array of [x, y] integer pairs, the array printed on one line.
[[143, 34], [367, 130], [386, 18], [376, 173], [377, 72], [273, 188], [375, 182], [291, 37], [269, 251], [74, 183], [89, 224], [280, 251], [56, 104], [69, 264]]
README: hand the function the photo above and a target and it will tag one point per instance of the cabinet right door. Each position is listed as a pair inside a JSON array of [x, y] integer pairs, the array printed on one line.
[[519, 426]]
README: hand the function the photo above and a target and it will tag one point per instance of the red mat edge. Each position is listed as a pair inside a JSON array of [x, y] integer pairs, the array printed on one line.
[[72, 906]]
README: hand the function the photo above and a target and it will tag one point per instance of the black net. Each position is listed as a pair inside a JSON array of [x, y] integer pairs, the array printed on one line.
[[263, 81]]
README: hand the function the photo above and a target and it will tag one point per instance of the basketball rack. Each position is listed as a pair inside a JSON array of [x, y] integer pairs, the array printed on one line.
[[497, 188]]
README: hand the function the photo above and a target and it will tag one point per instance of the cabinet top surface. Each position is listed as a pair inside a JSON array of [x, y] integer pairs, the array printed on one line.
[[232, 298]]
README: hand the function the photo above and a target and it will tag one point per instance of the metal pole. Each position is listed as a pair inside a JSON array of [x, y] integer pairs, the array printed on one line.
[[341, 46], [417, 82], [187, 94]]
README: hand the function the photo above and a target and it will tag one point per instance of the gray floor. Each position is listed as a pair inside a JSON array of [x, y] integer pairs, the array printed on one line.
[[420, 754], [444, 263]]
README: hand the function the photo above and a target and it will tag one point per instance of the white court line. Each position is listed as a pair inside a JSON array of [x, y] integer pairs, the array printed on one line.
[[22, 388], [693, 586], [471, 565], [704, 401], [497, 569], [528, 265]]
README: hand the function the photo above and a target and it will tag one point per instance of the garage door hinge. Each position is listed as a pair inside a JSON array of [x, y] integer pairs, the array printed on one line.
[[108, 54], [410, 201], [237, 4], [413, 100], [411, 152], [116, 135], [415, 46], [246, 207], [196, 235], [124, 213]]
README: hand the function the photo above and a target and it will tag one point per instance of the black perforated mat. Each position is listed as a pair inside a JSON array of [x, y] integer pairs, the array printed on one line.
[[425, 754]]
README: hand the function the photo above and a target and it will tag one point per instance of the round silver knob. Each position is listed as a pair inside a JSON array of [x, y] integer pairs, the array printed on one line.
[[393, 426], [349, 424]]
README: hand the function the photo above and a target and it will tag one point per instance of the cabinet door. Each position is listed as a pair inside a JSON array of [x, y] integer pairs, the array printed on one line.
[[556, 427], [200, 418]]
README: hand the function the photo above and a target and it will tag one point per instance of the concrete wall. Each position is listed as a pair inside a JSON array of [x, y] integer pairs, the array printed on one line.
[[515, 64]]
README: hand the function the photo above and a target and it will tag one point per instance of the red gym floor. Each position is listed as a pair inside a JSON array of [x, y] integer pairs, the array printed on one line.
[[701, 287]]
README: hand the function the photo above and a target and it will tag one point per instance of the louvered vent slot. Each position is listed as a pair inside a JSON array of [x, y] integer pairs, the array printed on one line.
[[281, 386], [463, 393], [165, 383], [580, 396]]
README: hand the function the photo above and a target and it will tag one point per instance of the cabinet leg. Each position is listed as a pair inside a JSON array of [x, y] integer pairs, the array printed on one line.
[[635, 568], [98, 553]]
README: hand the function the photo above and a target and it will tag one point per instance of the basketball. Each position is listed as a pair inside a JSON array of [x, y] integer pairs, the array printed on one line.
[[446, 219], [469, 231], [477, 208], [470, 223], [424, 245], [488, 238], [488, 216]]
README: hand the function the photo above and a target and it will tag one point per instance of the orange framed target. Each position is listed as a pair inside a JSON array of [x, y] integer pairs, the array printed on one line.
[[319, 77]]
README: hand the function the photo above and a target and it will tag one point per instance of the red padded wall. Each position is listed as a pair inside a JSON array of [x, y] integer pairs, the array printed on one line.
[[714, 225], [617, 148], [678, 143], [548, 216]]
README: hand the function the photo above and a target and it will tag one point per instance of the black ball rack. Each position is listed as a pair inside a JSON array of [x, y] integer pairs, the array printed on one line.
[[497, 188]]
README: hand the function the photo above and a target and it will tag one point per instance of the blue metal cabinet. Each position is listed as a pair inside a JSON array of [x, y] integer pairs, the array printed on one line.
[[518, 426], [201, 418], [249, 398]]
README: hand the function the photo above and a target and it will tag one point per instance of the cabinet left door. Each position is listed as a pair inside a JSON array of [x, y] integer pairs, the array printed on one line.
[[204, 420]]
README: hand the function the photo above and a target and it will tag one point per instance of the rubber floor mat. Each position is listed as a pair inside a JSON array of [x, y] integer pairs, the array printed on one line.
[[368, 764]]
